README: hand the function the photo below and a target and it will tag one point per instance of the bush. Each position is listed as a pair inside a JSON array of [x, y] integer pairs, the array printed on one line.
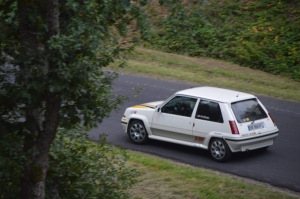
[[78, 168], [259, 34], [11, 159], [81, 169]]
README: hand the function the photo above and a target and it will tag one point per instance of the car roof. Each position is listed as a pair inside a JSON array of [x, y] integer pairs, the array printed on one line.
[[216, 94]]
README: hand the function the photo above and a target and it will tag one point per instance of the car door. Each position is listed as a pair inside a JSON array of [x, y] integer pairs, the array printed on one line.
[[174, 119], [208, 118]]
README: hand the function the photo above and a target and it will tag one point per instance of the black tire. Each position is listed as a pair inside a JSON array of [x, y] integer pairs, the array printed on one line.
[[137, 132], [219, 150]]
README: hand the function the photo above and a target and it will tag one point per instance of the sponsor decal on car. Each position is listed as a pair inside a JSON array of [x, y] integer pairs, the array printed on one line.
[[203, 116]]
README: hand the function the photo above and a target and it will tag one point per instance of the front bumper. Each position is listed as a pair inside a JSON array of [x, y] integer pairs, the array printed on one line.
[[124, 125]]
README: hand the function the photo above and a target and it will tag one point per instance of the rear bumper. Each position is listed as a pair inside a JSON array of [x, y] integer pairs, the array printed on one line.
[[251, 143]]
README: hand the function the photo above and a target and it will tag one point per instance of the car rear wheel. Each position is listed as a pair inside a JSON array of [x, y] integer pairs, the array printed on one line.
[[219, 150], [137, 132]]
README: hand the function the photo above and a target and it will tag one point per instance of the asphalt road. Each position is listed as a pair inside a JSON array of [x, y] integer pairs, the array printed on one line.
[[278, 166]]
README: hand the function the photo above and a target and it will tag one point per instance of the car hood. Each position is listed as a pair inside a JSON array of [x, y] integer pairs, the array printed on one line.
[[152, 105]]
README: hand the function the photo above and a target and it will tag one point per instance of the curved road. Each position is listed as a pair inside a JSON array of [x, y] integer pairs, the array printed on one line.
[[278, 166]]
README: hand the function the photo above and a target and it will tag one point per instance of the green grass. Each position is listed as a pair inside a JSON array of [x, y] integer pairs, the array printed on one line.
[[163, 179], [205, 71]]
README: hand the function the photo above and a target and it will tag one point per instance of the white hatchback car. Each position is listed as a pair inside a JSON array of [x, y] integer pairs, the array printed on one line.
[[219, 120]]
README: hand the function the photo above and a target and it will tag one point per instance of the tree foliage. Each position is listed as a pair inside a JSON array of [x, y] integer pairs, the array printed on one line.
[[88, 41], [52, 56], [258, 34]]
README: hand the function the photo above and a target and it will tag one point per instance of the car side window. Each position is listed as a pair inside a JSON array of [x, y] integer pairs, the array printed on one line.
[[180, 105], [209, 111]]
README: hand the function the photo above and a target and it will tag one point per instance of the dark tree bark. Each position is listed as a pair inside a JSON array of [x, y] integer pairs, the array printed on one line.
[[41, 127]]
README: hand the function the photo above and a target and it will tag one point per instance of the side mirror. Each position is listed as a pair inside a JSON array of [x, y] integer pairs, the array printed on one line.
[[158, 110]]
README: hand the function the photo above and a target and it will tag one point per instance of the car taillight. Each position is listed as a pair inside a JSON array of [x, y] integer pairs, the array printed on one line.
[[272, 119], [233, 127]]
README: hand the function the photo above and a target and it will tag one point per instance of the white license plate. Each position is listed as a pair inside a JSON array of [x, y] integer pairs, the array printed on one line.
[[255, 126]]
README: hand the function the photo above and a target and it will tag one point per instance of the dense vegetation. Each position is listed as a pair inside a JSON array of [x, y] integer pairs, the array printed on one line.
[[77, 168], [52, 55], [260, 34]]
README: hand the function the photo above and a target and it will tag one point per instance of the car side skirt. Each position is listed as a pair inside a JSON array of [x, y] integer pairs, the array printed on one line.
[[172, 135], [192, 144]]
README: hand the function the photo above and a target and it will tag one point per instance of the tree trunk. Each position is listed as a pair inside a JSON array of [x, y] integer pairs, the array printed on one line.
[[41, 136]]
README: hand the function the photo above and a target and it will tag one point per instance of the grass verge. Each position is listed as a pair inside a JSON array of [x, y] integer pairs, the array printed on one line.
[[205, 71], [163, 179]]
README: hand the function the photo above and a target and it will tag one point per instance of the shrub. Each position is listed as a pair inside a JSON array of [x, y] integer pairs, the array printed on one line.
[[11, 159], [78, 168], [259, 34], [81, 169]]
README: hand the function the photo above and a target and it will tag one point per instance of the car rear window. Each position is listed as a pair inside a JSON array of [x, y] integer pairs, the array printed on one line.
[[248, 110]]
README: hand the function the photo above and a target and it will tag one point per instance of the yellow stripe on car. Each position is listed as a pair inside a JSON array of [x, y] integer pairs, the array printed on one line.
[[139, 106], [149, 105], [144, 106]]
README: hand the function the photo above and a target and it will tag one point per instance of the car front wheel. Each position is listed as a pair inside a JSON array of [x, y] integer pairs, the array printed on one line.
[[137, 132], [219, 150]]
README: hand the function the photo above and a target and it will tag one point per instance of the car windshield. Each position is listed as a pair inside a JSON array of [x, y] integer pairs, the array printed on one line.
[[248, 110]]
